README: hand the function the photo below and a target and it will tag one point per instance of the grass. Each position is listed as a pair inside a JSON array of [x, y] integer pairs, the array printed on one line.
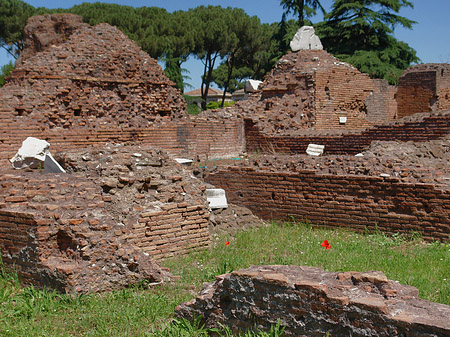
[[138, 311]]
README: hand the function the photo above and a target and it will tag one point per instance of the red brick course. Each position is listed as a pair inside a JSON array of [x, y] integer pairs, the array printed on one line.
[[419, 128], [357, 202], [424, 88]]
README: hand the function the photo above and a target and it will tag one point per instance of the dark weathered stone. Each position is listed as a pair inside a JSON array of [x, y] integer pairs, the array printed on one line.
[[311, 302]]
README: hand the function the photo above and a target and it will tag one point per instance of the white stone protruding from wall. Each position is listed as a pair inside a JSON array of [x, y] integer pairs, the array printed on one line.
[[252, 85], [31, 153], [51, 165], [315, 149], [305, 38], [216, 198]]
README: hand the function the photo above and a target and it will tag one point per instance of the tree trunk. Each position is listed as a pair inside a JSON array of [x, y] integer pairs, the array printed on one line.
[[210, 65], [230, 71], [301, 16]]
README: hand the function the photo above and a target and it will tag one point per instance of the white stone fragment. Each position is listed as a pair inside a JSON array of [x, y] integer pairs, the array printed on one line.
[[315, 149], [305, 38], [31, 153], [51, 165], [183, 161], [216, 198], [359, 155], [342, 120], [252, 85]]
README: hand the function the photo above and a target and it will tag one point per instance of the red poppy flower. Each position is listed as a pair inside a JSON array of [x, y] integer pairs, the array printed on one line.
[[326, 244], [227, 243]]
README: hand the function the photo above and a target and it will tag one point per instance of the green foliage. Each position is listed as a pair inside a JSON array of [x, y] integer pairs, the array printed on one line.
[[5, 70], [216, 105], [237, 79], [302, 8], [13, 18], [193, 109], [360, 32]]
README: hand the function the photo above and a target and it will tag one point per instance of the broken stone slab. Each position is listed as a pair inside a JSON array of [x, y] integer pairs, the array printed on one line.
[[51, 165], [315, 149], [216, 198], [305, 38], [31, 154], [35, 153], [183, 161], [252, 85]]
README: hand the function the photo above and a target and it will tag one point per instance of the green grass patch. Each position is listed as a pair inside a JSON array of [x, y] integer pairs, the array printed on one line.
[[138, 311]]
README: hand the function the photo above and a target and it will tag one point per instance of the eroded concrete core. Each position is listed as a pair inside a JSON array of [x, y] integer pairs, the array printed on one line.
[[311, 302]]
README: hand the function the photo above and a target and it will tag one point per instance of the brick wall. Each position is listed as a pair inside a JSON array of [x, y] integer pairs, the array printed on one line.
[[443, 87], [174, 230], [188, 137], [423, 88], [341, 92], [421, 127], [416, 92], [357, 202], [312, 89]]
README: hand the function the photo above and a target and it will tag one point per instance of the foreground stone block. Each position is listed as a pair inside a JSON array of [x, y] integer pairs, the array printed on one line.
[[312, 302]]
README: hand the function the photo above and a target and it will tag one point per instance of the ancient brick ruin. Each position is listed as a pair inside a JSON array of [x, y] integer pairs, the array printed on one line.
[[77, 85], [103, 225], [424, 88], [311, 89], [311, 302], [106, 107]]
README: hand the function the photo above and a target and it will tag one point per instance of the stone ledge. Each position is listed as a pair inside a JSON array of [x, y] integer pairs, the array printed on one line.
[[313, 302]]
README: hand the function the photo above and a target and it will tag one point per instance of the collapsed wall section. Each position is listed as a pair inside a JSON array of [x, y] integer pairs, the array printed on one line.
[[102, 225], [308, 301], [350, 201]]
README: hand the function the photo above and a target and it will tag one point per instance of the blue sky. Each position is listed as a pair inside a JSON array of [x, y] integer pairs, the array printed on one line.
[[430, 37]]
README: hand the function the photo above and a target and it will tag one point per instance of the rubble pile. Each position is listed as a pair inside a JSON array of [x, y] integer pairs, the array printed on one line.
[[101, 225], [424, 162], [232, 219], [72, 75], [134, 178], [55, 232]]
